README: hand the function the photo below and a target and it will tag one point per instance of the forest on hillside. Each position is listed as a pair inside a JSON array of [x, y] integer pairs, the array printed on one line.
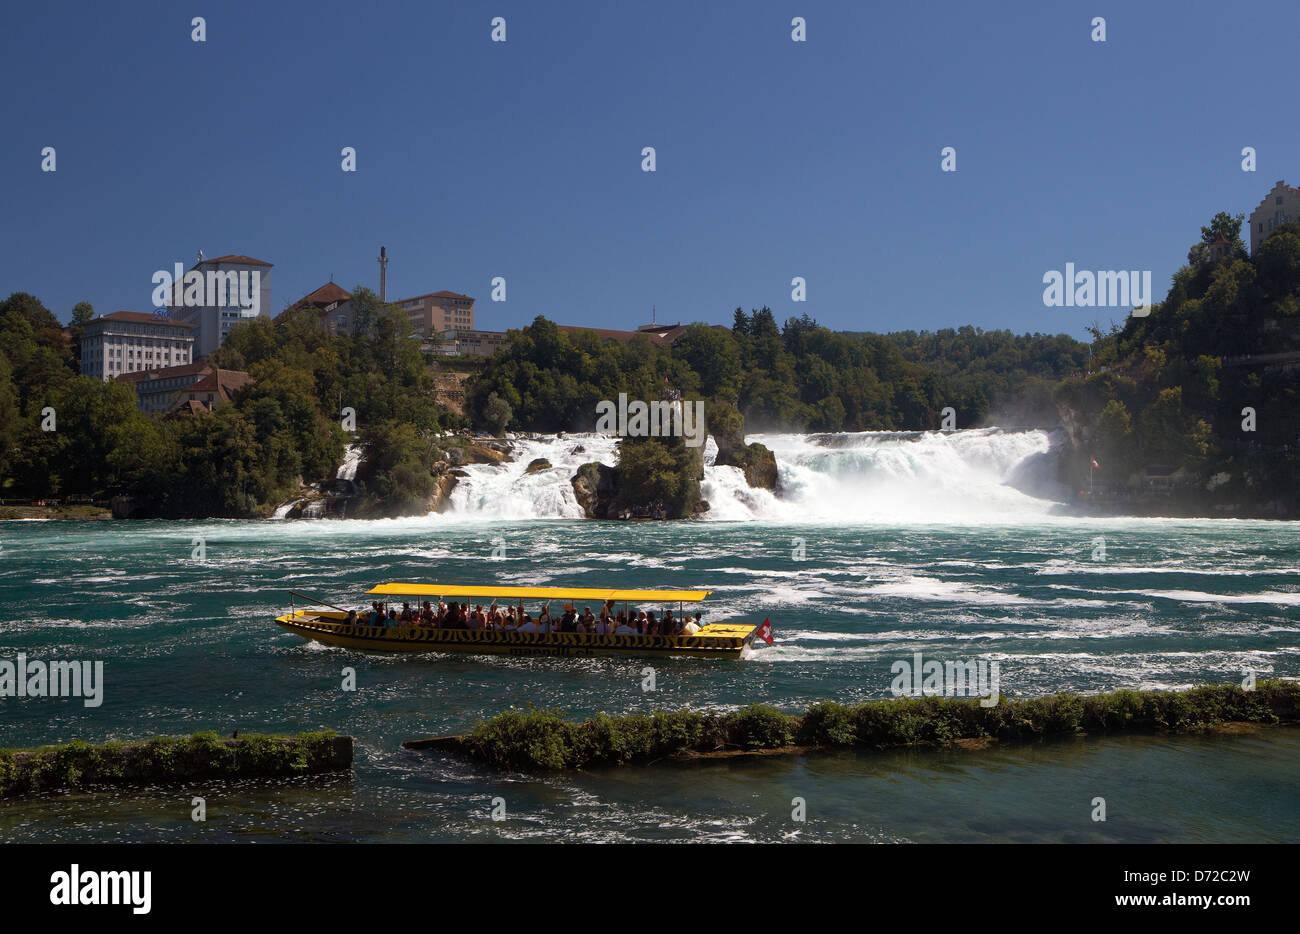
[[1200, 386]]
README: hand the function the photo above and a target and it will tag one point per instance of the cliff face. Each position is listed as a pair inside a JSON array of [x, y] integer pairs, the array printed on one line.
[[596, 487], [758, 463], [1076, 428], [653, 481]]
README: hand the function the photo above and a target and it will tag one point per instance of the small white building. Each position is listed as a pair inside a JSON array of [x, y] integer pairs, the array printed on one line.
[[130, 341]]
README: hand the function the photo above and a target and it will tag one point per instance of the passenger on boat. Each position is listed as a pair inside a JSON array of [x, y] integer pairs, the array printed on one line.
[[691, 627], [427, 619], [588, 621], [641, 622], [624, 627], [526, 624], [377, 614], [476, 620], [651, 624], [544, 622], [406, 618], [569, 621], [352, 618]]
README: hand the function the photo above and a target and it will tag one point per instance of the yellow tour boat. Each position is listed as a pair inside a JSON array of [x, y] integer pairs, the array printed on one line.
[[713, 640]]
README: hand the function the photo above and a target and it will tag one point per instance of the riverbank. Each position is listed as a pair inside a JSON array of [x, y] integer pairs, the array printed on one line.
[[544, 740], [20, 513], [201, 757]]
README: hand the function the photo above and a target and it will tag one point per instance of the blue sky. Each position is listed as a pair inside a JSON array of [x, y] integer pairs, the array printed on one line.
[[522, 159]]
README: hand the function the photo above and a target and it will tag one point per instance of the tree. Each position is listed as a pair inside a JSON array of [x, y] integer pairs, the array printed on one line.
[[497, 414], [82, 312], [394, 475], [712, 354], [1223, 225], [1114, 435]]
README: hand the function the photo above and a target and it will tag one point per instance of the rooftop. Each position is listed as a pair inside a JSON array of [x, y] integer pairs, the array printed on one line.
[[140, 317], [166, 372], [660, 334], [234, 259], [326, 295], [443, 294]]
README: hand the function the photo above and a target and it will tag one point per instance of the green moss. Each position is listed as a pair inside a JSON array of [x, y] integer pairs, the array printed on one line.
[[203, 756]]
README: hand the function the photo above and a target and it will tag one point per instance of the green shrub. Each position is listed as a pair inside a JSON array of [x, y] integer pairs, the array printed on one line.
[[759, 726], [532, 739]]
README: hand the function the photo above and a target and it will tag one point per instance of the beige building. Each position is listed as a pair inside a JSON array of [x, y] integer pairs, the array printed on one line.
[[438, 312], [1280, 207], [131, 341], [332, 304], [191, 388], [460, 343]]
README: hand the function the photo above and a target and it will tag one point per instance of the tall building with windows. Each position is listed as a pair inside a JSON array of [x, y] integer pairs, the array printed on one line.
[[130, 341], [219, 309], [1280, 207], [437, 312]]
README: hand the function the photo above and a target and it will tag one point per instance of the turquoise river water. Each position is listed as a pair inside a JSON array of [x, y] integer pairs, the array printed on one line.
[[189, 644]]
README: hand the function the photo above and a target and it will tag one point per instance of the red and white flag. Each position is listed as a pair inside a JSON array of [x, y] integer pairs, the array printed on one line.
[[1095, 465], [764, 632]]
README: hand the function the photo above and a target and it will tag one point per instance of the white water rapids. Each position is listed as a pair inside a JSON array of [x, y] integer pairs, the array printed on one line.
[[976, 475]]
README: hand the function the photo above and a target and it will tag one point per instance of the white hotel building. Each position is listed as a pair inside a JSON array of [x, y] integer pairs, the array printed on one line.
[[130, 341]]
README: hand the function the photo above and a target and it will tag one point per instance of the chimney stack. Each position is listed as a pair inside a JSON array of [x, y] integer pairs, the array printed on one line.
[[383, 274]]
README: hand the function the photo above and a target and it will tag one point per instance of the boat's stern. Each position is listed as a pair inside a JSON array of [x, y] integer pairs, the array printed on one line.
[[729, 638]]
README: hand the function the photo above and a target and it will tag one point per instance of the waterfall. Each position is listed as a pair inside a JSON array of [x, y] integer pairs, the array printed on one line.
[[508, 491], [975, 475], [282, 510], [351, 458]]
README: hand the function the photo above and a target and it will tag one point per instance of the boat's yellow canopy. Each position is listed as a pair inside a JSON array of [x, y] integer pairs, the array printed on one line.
[[541, 593]]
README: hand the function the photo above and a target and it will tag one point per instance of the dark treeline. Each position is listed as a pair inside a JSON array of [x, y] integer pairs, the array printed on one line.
[[1171, 388], [795, 377]]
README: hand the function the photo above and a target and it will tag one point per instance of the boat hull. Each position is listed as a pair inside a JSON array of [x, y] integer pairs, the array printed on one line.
[[717, 640]]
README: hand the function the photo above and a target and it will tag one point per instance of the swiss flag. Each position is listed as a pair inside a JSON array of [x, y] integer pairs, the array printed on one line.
[[1095, 465], [764, 632]]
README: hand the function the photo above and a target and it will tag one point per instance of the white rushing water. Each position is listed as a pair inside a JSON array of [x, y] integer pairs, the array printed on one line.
[[351, 458], [976, 475], [507, 491]]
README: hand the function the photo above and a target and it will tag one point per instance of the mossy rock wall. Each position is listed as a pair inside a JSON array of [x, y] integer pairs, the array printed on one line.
[[201, 757], [538, 739]]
